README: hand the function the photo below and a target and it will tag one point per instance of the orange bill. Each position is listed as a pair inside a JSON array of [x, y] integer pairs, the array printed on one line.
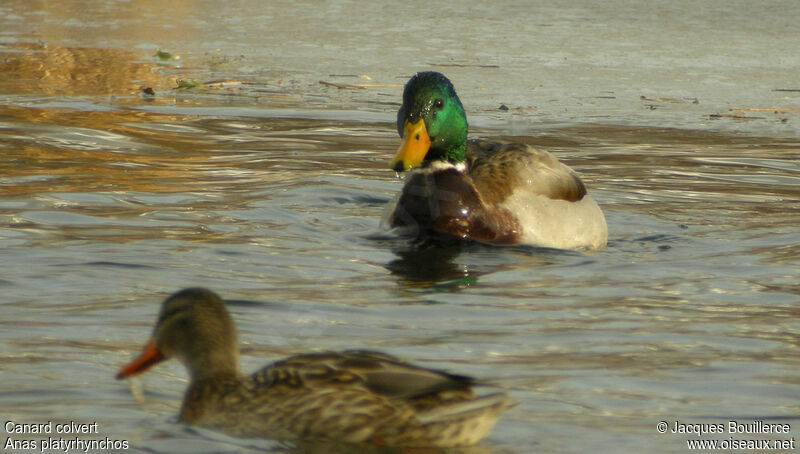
[[414, 147], [149, 358]]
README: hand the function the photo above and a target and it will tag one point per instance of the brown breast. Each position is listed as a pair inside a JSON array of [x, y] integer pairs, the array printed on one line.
[[447, 202]]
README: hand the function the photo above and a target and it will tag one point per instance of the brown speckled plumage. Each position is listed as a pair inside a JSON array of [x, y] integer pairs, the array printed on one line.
[[498, 168], [350, 396]]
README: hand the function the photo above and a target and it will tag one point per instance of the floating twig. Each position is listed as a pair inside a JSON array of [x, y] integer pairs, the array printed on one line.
[[223, 83], [360, 86], [766, 109], [338, 85], [736, 115], [667, 99], [463, 65]]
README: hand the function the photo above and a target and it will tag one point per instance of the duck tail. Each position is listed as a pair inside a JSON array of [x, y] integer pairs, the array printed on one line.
[[485, 406]]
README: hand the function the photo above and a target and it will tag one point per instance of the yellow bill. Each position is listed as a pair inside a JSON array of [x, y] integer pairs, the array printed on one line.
[[414, 147]]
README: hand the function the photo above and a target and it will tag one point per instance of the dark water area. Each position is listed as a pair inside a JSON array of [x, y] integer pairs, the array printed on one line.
[[268, 187]]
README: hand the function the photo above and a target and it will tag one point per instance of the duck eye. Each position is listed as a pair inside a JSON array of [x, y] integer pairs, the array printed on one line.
[[438, 104]]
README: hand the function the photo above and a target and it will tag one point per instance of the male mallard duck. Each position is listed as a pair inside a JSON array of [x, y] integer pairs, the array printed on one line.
[[492, 192], [350, 396]]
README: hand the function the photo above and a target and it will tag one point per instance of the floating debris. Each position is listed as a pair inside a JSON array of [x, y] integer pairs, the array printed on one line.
[[225, 83], [462, 65], [189, 84], [766, 109], [164, 56], [736, 115], [668, 99], [359, 86], [338, 85], [740, 112]]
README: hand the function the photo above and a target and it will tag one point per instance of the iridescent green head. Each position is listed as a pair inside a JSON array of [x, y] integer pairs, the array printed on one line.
[[431, 122]]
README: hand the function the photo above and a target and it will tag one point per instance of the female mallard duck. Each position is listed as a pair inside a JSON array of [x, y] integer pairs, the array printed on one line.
[[350, 397], [492, 192]]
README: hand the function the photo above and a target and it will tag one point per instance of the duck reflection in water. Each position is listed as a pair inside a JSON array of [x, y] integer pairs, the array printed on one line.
[[437, 263], [428, 263]]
